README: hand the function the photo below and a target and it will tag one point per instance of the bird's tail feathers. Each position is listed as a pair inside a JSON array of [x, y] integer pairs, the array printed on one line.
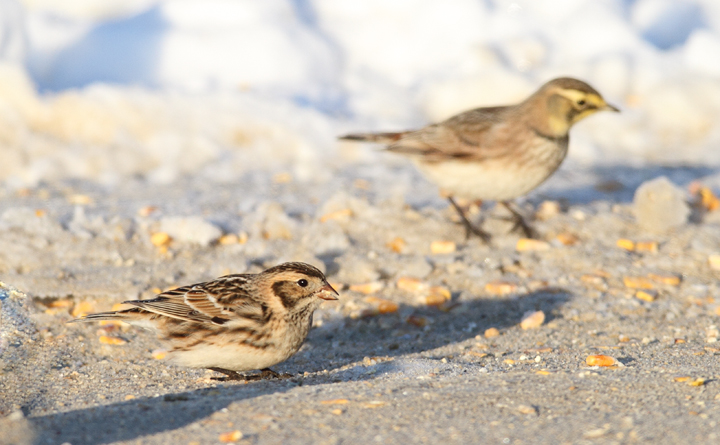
[[379, 138], [113, 315]]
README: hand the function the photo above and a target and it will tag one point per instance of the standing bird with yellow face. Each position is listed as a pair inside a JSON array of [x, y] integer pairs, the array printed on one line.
[[498, 153]]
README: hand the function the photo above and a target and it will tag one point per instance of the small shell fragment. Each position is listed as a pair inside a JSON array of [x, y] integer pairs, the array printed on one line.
[[697, 382], [442, 247], [532, 320], [228, 239], [672, 280], [527, 409], [120, 306], [115, 341], [708, 200], [411, 284], [648, 295], [383, 306], [387, 307], [437, 296], [491, 332], [61, 304], [478, 354], [638, 283], [146, 210], [500, 288], [374, 404], [160, 239], [626, 244], [567, 239], [114, 323], [529, 244], [79, 199], [594, 282], [547, 210], [335, 402], [595, 434], [397, 245], [600, 360], [714, 262], [647, 246], [338, 214], [367, 288], [232, 436], [82, 308], [159, 354]]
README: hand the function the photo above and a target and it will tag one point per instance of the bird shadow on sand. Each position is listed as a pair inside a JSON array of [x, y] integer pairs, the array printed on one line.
[[614, 183], [402, 332], [331, 348]]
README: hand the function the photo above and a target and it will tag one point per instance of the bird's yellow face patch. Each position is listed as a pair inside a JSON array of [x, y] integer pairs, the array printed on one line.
[[579, 105]]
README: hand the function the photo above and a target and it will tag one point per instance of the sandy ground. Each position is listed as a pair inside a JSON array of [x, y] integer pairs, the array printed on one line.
[[418, 373]]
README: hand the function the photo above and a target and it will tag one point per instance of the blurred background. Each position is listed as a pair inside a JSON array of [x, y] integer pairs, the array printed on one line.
[[111, 89]]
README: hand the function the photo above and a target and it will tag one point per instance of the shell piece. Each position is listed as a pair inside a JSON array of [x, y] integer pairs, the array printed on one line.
[[600, 360], [532, 320], [529, 244]]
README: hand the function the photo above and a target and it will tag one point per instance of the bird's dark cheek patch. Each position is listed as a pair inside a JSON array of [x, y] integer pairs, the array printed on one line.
[[281, 289]]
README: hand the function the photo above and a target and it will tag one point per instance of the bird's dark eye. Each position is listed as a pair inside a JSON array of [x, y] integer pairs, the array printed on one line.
[[581, 102], [303, 282]]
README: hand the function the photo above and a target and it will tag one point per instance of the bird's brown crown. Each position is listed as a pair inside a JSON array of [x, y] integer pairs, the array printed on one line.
[[297, 267]]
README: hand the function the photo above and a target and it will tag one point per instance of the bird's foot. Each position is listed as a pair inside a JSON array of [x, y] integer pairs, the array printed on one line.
[[480, 233], [268, 373], [519, 222], [264, 374], [229, 375], [470, 229]]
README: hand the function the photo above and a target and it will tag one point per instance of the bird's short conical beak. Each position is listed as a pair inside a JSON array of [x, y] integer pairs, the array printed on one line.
[[328, 293], [609, 107]]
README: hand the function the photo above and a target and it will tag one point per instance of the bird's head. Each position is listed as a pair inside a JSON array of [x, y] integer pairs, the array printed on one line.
[[298, 285], [567, 101]]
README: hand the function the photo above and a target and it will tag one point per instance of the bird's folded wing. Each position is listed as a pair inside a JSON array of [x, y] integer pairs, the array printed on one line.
[[171, 307], [230, 297], [467, 135]]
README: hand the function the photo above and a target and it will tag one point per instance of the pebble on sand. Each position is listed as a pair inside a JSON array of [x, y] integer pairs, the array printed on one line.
[[659, 205], [193, 230]]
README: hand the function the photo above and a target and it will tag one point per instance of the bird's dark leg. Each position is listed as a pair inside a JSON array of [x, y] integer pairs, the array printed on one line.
[[266, 373], [519, 221], [229, 375], [269, 373], [469, 228]]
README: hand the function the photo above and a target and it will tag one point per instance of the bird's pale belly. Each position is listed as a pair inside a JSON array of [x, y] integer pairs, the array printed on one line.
[[490, 180], [234, 357]]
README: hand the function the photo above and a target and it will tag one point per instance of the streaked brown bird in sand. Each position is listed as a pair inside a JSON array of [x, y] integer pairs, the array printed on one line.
[[235, 323]]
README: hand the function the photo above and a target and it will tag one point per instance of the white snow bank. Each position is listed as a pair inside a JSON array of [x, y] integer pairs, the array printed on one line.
[[241, 85]]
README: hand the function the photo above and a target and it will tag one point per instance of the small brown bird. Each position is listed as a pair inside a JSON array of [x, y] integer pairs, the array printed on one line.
[[497, 153], [235, 323]]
